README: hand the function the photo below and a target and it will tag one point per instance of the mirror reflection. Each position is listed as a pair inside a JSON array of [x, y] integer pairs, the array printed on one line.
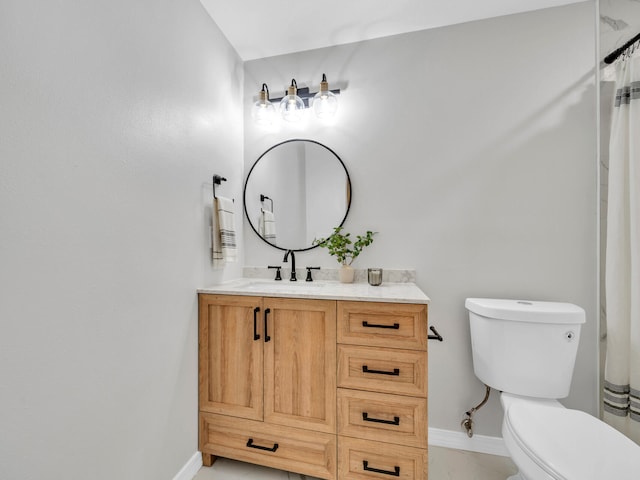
[[296, 191]]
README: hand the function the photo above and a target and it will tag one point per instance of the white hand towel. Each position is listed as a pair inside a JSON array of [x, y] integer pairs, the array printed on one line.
[[227, 228], [216, 240], [267, 225]]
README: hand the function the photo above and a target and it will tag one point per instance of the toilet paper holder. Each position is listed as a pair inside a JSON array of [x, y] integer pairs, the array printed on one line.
[[436, 335]]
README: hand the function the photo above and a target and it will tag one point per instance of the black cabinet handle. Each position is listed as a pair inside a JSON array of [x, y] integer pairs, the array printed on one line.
[[367, 418], [259, 447], [366, 324], [396, 371], [395, 473], [267, 311], [256, 336]]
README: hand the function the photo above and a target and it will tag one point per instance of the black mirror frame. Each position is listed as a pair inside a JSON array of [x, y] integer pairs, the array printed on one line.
[[244, 192]]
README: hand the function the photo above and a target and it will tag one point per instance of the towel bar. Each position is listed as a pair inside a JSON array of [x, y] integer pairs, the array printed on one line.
[[263, 197], [217, 180]]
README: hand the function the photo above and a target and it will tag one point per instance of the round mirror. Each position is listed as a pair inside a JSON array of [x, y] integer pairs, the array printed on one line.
[[297, 191]]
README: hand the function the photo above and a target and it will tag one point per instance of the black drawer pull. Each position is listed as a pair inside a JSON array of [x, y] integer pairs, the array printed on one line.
[[395, 326], [366, 418], [268, 449], [267, 311], [256, 336], [395, 473], [396, 371]]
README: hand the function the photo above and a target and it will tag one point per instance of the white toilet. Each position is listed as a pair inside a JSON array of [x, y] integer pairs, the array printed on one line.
[[527, 350]]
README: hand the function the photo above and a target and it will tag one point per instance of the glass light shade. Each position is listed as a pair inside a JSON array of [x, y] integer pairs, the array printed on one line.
[[263, 112], [292, 108], [325, 104], [291, 105]]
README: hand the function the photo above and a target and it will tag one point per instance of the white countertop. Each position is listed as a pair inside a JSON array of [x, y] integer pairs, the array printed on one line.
[[330, 290]]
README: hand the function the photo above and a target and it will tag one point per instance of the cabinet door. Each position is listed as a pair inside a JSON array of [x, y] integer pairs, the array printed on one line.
[[231, 358], [300, 363]]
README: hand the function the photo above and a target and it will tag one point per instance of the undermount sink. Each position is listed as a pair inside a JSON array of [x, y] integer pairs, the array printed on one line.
[[283, 285]]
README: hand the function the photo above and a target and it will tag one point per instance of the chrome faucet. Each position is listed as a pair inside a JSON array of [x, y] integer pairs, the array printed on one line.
[[293, 264]]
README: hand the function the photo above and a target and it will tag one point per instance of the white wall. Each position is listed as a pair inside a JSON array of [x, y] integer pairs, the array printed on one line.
[[114, 115], [472, 150], [619, 22]]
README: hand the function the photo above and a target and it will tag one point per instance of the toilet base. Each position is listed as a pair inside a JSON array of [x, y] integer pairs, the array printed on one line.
[[517, 476]]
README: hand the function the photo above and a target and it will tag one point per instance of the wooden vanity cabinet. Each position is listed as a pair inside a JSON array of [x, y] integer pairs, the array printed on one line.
[[267, 382], [326, 388]]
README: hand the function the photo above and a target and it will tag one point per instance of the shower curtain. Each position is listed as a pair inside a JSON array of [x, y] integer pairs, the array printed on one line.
[[622, 271]]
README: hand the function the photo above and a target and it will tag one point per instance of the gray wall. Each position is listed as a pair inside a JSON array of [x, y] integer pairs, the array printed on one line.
[[114, 115], [472, 150]]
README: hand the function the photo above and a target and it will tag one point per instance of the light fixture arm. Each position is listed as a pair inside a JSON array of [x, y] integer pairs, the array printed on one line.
[[264, 93], [324, 85], [293, 88]]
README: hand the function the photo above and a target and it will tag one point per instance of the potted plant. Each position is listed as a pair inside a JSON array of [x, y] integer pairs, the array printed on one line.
[[340, 246]]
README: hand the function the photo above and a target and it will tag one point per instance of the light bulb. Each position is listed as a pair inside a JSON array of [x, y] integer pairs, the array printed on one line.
[[292, 106], [325, 103], [263, 111]]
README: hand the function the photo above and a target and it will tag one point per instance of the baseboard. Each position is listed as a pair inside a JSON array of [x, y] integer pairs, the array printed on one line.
[[190, 468], [461, 441]]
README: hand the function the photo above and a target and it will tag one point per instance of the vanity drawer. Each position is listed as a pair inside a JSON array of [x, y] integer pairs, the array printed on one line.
[[384, 417], [395, 325], [385, 370], [286, 448], [364, 459]]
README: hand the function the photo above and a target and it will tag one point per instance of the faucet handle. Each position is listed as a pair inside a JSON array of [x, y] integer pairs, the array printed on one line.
[[309, 278], [278, 267]]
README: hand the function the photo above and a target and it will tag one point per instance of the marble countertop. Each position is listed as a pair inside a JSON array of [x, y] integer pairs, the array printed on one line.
[[404, 292]]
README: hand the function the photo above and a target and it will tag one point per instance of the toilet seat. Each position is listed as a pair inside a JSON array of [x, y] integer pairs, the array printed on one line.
[[569, 444]]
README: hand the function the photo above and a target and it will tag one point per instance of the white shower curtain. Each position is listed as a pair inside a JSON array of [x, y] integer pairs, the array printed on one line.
[[622, 271]]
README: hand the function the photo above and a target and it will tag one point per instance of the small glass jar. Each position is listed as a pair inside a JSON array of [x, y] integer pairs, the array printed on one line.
[[374, 276]]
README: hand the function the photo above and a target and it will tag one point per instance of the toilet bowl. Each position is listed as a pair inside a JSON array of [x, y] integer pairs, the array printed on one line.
[[549, 442], [527, 350]]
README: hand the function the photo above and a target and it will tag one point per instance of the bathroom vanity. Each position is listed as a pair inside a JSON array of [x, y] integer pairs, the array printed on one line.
[[323, 379]]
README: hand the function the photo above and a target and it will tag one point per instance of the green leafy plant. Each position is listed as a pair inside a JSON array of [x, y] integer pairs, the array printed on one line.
[[340, 245]]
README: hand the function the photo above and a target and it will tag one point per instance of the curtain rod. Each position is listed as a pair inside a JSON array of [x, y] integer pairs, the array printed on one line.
[[619, 51]]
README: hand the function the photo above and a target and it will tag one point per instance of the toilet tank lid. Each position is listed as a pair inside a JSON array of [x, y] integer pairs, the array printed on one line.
[[526, 310]]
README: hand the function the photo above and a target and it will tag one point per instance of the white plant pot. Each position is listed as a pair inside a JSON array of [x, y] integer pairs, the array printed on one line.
[[346, 274]]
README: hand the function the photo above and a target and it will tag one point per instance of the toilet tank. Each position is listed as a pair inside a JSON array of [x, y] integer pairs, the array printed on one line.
[[525, 347]]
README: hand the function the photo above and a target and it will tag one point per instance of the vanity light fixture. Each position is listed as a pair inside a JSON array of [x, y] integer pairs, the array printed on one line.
[[325, 102], [263, 111], [291, 106]]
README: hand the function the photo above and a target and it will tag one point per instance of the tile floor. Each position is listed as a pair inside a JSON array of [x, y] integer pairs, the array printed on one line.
[[444, 464]]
